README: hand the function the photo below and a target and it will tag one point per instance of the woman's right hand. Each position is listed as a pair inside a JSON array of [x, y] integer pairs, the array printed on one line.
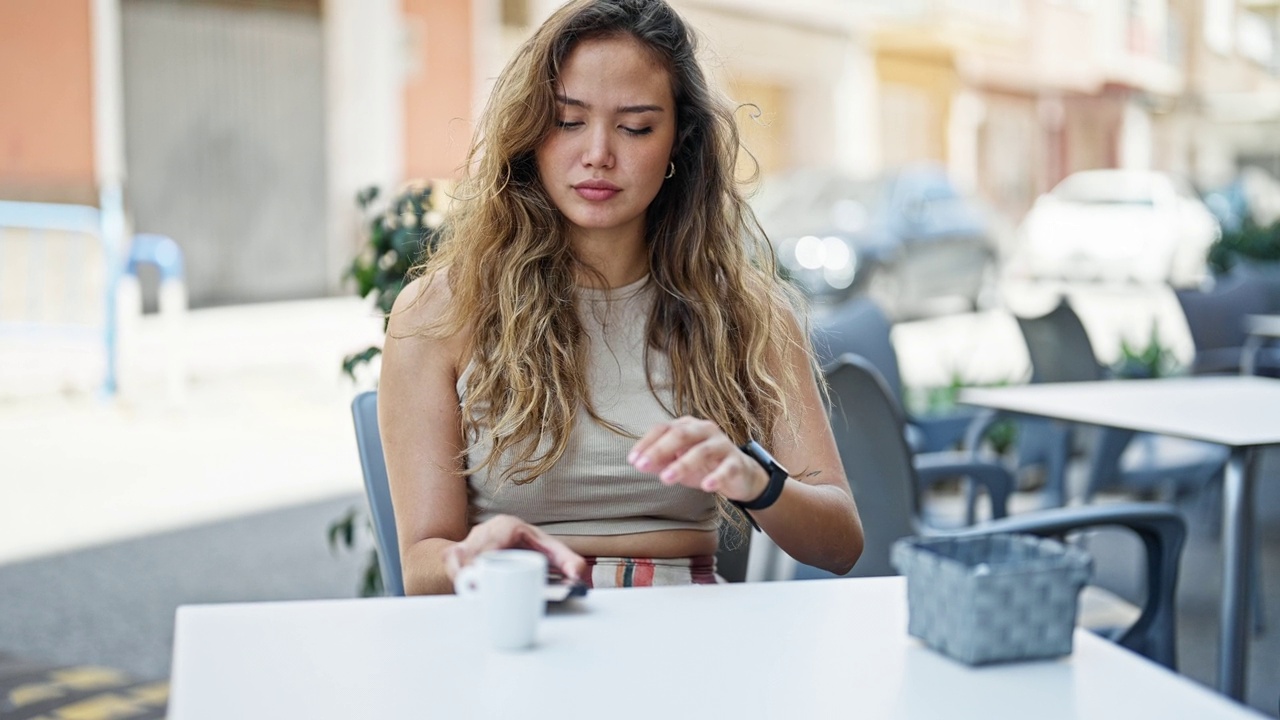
[[504, 532]]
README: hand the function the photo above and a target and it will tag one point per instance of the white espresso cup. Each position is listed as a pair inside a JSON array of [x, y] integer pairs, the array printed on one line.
[[509, 585]]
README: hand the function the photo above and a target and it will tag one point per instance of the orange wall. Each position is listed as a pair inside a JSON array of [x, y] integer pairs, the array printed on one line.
[[46, 101], [438, 90]]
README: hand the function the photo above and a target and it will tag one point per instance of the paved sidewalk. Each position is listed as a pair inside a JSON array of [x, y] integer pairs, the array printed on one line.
[[265, 424]]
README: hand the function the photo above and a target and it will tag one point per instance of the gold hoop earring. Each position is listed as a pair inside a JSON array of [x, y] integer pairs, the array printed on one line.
[[671, 171]]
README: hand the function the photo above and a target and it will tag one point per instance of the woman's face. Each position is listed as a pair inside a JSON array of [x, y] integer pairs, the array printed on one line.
[[605, 159]]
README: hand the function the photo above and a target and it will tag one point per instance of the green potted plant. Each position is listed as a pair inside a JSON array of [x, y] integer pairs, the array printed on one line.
[[1251, 245], [999, 437], [1152, 360], [397, 237], [398, 234]]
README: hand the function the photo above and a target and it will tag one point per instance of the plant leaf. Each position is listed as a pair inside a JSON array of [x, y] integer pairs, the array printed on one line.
[[341, 529], [355, 360], [371, 580]]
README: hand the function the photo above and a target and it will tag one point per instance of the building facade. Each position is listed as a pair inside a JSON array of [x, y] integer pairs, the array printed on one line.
[[245, 128], [241, 128]]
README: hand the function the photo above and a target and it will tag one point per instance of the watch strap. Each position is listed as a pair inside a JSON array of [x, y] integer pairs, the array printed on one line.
[[777, 478]]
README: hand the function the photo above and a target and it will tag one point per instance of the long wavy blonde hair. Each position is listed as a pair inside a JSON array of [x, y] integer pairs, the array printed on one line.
[[720, 312]]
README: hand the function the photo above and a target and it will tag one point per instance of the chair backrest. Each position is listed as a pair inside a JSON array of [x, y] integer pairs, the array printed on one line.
[[369, 442], [1216, 317], [1059, 347], [860, 327], [868, 425]]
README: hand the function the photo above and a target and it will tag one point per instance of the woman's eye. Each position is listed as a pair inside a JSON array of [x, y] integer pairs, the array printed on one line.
[[638, 131], [567, 124]]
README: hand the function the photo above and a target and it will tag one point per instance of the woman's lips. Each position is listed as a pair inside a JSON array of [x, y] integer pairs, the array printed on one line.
[[596, 191]]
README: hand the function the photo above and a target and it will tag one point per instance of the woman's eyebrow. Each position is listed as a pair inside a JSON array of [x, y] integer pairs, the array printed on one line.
[[622, 109], [634, 109]]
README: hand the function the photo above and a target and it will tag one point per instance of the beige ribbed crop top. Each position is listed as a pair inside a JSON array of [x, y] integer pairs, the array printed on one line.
[[592, 490]]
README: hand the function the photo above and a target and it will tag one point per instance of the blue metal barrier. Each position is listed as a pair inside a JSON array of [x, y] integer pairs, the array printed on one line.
[[100, 236], [39, 222], [159, 251]]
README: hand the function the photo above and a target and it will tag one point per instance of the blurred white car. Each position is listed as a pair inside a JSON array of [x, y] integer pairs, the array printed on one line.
[[1117, 225]]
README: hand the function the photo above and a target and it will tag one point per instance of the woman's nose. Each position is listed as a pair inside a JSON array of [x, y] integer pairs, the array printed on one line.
[[599, 150]]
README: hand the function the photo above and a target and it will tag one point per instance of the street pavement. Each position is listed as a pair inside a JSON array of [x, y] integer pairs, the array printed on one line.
[[264, 423]]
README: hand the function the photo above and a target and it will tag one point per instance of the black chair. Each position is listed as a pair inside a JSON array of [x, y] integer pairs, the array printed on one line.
[[1143, 463], [887, 480], [860, 326], [1061, 351], [1216, 321]]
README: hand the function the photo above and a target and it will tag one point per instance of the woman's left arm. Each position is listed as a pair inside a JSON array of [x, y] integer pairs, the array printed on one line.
[[815, 519]]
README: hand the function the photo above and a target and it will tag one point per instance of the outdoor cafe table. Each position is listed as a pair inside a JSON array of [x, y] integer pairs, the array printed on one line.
[[799, 649], [1240, 412]]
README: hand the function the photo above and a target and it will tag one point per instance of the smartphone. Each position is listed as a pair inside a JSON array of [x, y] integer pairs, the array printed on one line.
[[560, 590]]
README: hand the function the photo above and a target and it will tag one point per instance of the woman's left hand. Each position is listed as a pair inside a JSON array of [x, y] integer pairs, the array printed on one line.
[[697, 454]]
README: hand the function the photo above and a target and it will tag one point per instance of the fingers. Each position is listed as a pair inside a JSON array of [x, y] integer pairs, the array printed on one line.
[[667, 441], [698, 454], [504, 532], [638, 456], [571, 564], [697, 462], [453, 561], [722, 477], [738, 478]]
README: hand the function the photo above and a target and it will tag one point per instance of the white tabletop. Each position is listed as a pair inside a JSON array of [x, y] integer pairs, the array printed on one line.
[[805, 649], [1230, 410]]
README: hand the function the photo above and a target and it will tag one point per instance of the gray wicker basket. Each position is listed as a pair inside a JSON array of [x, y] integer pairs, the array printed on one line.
[[992, 598]]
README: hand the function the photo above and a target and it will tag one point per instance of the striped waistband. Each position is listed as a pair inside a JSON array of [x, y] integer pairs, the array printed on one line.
[[610, 572]]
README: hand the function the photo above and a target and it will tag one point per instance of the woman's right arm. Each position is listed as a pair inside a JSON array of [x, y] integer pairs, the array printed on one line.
[[422, 442], [421, 426]]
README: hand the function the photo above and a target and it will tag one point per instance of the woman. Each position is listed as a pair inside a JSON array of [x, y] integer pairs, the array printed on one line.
[[575, 368]]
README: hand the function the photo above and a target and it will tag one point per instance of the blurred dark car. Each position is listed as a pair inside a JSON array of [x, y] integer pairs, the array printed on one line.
[[909, 239]]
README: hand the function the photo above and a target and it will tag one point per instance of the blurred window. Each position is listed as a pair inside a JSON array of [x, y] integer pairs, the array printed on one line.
[[515, 13], [1218, 19], [1253, 36]]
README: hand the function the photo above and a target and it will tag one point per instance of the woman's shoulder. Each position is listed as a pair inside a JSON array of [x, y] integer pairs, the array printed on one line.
[[423, 311], [422, 300]]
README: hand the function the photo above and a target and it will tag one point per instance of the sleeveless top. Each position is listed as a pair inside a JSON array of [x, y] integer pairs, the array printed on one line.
[[592, 489]]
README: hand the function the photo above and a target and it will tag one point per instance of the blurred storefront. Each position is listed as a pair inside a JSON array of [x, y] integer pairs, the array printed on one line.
[[1013, 95], [241, 128], [1036, 90], [244, 128], [1233, 104]]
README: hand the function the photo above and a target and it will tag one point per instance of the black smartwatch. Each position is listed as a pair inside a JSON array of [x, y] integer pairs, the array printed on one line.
[[777, 478]]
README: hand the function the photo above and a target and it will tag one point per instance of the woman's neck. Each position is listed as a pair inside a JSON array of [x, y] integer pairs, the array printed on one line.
[[620, 259]]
